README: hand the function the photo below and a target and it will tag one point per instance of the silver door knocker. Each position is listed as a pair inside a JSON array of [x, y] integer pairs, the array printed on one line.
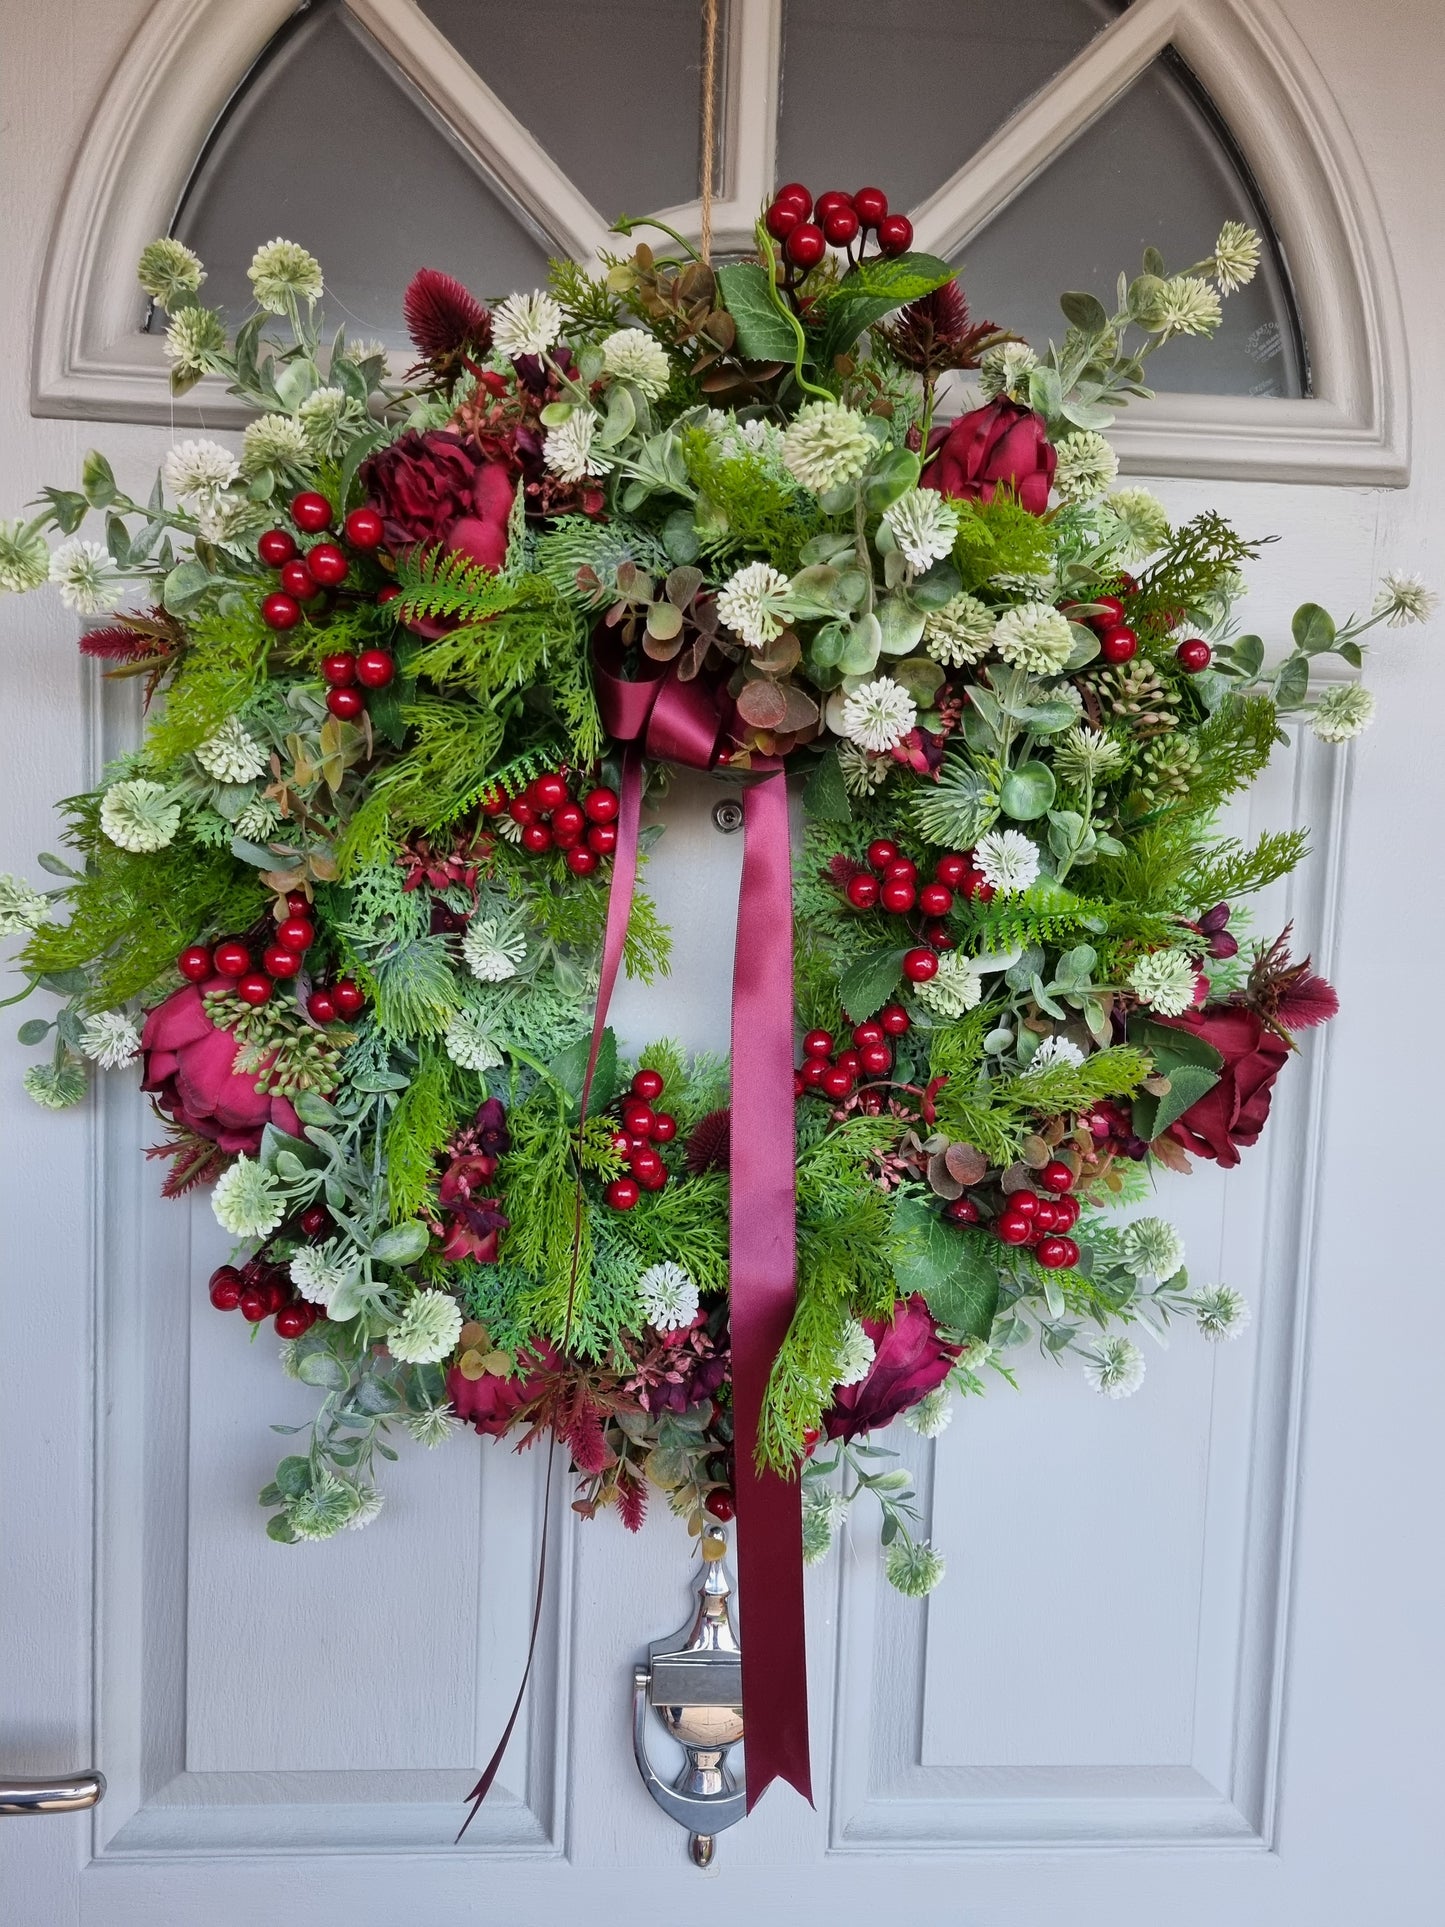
[[694, 1683]]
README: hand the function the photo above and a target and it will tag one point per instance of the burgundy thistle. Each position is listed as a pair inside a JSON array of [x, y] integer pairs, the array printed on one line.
[[445, 320], [910, 1360], [935, 332]]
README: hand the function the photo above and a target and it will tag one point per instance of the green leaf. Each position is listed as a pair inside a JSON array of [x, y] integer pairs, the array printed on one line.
[[293, 1476], [185, 585], [889, 480], [1313, 629], [870, 982], [97, 479], [317, 1368], [763, 334], [1291, 685], [1170, 1046], [954, 1268], [1248, 653], [1086, 312], [569, 1068], [403, 1244], [1351, 653], [279, 1527], [373, 1396], [824, 796], [312, 1109], [34, 1030], [1187, 1084], [871, 291], [1027, 792]]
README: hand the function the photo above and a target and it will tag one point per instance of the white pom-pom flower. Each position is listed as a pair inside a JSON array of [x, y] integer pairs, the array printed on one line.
[[879, 714], [753, 602], [1008, 861], [1114, 1367], [526, 324], [668, 1296]]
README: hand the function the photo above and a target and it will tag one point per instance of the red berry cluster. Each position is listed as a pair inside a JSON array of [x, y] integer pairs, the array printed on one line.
[[1028, 1219], [551, 818], [261, 1290], [372, 668], [643, 1128], [283, 958], [323, 566], [836, 1075], [1119, 643], [838, 220], [891, 883]]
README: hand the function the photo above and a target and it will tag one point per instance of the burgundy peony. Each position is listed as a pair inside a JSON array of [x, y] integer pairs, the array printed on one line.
[[1232, 1114], [439, 488], [1000, 446], [492, 1403], [910, 1360], [188, 1063]]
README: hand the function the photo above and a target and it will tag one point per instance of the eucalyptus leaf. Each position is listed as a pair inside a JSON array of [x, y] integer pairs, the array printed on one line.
[[1085, 311], [890, 479], [939, 585], [34, 1030], [316, 1368], [824, 796], [403, 1244], [865, 642], [1313, 629], [1248, 654], [1027, 792], [1291, 685], [901, 625]]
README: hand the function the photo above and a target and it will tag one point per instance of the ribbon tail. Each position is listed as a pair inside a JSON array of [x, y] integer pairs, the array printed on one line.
[[763, 1243]]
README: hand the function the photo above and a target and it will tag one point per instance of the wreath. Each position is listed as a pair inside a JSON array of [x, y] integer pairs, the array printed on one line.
[[427, 650]]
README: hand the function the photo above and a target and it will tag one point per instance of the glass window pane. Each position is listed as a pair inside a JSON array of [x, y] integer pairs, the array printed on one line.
[[610, 88], [1155, 168], [898, 94], [328, 145]]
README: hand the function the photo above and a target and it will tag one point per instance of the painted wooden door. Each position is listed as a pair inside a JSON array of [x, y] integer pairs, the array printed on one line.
[[1185, 1665]]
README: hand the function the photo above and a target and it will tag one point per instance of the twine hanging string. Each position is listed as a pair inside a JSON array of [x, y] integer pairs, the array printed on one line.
[[709, 116]]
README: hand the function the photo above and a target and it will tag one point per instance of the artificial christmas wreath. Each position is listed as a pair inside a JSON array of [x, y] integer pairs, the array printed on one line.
[[356, 902]]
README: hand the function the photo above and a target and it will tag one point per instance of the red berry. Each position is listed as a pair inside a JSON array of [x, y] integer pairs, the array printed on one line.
[[818, 1043], [961, 1211], [375, 668], [938, 935], [602, 837], [869, 1033], [1023, 1204], [231, 959], [1056, 1176], [226, 1288], [875, 1059], [645, 1164], [536, 837], [195, 964], [568, 821], [364, 529], [339, 670], [521, 811], [881, 853], [1109, 613], [548, 792], [581, 861], [1046, 1217], [795, 192], [805, 246], [895, 1020], [315, 1219], [895, 234], [622, 1193], [291, 1321], [1066, 1213], [348, 997], [664, 1128], [276, 547], [1014, 1228], [297, 580], [814, 1070], [862, 891], [1054, 1253], [825, 203], [871, 205], [901, 869], [311, 512], [1194, 655], [898, 896], [720, 1504], [647, 1084], [800, 1085], [1072, 1257], [781, 218], [1128, 583], [1118, 645], [280, 611], [278, 961], [298, 904], [655, 1180], [388, 594], [935, 899], [920, 965], [254, 988], [840, 227], [836, 1081], [951, 870], [637, 1116], [255, 1305], [321, 1006], [346, 704], [850, 1061], [601, 806], [295, 933]]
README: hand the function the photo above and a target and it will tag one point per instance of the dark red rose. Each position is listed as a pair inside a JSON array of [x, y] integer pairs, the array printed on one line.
[[1000, 446], [910, 1360], [492, 1403], [1232, 1114], [188, 1066], [439, 488]]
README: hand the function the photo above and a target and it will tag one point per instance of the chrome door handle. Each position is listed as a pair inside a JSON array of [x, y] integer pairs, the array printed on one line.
[[74, 1795]]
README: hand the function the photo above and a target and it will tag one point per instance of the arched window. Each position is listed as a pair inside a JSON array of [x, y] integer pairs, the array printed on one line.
[[1040, 144]]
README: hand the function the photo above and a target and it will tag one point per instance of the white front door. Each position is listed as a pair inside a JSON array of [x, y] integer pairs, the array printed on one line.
[[1185, 1665]]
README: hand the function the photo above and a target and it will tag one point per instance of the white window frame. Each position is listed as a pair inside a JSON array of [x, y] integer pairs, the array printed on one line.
[[91, 360]]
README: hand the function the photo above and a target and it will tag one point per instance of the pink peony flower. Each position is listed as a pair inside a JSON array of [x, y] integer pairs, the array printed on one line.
[[999, 446], [188, 1067]]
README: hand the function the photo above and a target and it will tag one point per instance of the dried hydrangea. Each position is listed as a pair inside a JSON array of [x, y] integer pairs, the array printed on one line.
[[56, 1086], [1342, 713], [633, 355], [753, 602], [232, 755], [276, 442], [567, 449], [1086, 466], [1114, 1367], [1008, 861], [1151, 1248], [1004, 371], [86, 576], [955, 988], [923, 523], [879, 715], [470, 1043], [668, 1296], [281, 274], [139, 815], [427, 1330], [1166, 980], [827, 445], [912, 1567], [197, 469], [960, 632], [247, 1200], [21, 908], [24, 557], [110, 1039], [856, 1352], [195, 341], [169, 272], [490, 952], [1236, 256], [1035, 637], [1222, 1312], [526, 324]]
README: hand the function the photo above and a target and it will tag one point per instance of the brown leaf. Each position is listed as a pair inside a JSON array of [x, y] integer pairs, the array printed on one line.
[[778, 657], [762, 704], [1035, 1152], [1173, 1154], [1018, 1177], [801, 711], [941, 1180], [966, 1164]]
